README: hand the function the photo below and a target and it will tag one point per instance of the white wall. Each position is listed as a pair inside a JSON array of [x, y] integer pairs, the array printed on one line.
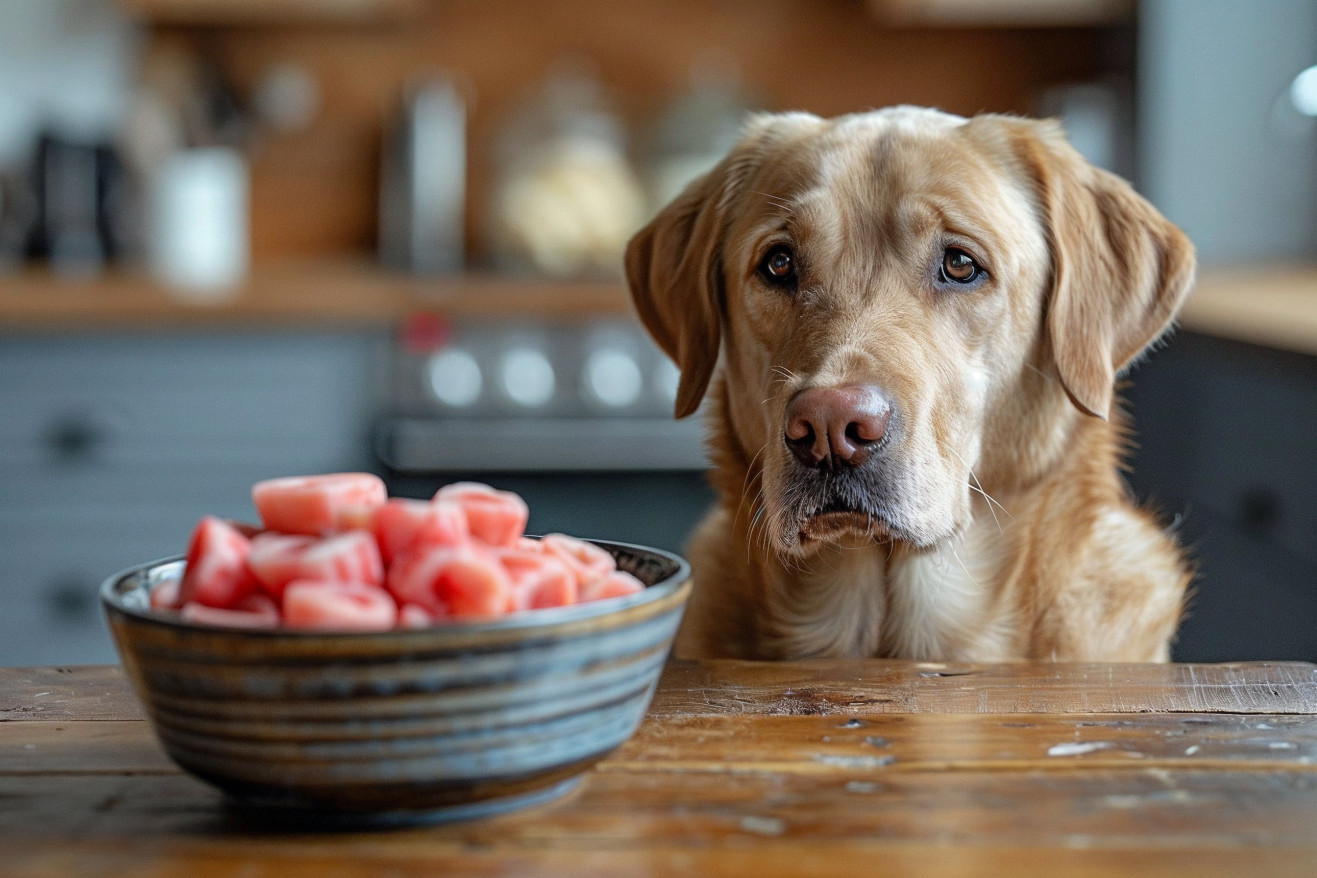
[[65, 65], [1221, 150]]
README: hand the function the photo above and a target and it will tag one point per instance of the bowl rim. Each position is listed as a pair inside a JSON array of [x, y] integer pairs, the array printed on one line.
[[112, 599]]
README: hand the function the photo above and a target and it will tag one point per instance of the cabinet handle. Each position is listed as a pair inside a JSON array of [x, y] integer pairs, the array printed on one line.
[[70, 599], [75, 438], [1259, 511]]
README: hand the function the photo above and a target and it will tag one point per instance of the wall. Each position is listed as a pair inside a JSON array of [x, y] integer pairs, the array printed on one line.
[[66, 65], [1222, 152]]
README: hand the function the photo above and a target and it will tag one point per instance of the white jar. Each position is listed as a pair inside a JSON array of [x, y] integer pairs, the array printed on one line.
[[199, 238]]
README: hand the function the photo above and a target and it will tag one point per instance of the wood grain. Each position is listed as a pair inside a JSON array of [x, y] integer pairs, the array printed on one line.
[[839, 688], [671, 816], [1153, 770], [84, 693], [767, 859], [39, 749], [801, 745], [886, 743]]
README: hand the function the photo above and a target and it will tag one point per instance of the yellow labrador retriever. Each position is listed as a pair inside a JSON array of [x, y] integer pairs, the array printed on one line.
[[909, 325]]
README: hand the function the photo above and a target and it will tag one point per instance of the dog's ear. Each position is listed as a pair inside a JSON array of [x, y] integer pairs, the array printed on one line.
[[674, 264], [674, 271], [1119, 268]]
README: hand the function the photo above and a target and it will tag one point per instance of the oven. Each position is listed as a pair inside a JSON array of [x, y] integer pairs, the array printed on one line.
[[576, 416]]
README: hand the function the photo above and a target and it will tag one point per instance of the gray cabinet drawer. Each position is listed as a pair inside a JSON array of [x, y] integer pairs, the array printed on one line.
[[153, 399], [54, 564], [1227, 441], [1232, 428]]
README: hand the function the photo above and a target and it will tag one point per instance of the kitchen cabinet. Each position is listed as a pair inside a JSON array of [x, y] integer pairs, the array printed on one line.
[[112, 446], [1226, 449]]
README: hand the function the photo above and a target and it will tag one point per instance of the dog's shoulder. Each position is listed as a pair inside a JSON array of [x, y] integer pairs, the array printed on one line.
[[1105, 579]]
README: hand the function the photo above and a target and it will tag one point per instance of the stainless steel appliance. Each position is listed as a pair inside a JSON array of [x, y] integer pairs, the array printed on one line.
[[575, 416]]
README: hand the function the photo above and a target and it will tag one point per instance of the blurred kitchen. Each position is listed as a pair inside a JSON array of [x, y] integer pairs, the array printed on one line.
[[242, 239]]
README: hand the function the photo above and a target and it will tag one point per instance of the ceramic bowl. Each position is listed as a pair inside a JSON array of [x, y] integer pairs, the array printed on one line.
[[452, 721]]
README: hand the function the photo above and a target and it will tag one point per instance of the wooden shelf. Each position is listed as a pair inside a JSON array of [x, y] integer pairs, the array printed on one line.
[[312, 294]]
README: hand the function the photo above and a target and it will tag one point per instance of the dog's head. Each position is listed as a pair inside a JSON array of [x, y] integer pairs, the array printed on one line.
[[906, 306]]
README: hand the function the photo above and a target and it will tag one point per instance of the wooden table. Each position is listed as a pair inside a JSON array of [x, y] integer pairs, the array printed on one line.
[[837, 768]]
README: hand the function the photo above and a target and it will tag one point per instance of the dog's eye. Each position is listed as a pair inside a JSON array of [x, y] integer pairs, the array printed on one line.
[[959, 267], [779, 266]]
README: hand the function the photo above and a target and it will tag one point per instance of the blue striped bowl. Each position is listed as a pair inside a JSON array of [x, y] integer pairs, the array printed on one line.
[[453, 721]]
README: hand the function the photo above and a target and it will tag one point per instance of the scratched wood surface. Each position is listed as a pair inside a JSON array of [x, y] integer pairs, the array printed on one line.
[[813, 768]]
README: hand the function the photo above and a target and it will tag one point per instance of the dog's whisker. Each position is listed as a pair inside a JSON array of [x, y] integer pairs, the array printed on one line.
[[777, 201], [758, 534], [751, 472], [783, 376], [968, 575], [1039, 372], [992, 501], [978, 487], [990, 509]]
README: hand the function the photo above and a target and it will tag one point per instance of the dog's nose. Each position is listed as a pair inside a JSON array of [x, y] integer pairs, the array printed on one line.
[[836, 426]]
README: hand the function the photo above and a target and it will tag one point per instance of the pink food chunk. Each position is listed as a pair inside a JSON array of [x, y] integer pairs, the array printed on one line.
[[401, 525], [356, 518], [337, 554], [216, 574], [278, 559], [613, 585], [165, 595], [586, 560], [538, 579], [457, 581], [497, 518], [415, 616], [314, 505], [338, 606], [253, 611]]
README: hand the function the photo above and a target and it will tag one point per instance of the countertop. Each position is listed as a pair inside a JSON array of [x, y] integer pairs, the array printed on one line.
[[1275, 306], [1267, 305], [824, 767], [313, 294]]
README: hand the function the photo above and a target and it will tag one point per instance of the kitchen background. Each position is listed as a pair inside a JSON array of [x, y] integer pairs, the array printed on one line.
[[241, 239]]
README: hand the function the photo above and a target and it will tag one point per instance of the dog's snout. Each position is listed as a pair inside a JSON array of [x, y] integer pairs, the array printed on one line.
[[836, 426]]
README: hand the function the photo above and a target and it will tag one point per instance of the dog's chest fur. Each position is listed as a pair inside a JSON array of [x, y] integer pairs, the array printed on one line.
[[870, 601]]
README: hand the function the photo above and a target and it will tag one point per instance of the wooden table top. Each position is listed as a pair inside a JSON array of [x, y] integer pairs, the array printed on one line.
[[811, 768]]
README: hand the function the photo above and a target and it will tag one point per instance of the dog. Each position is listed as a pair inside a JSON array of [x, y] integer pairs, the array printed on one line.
[[906, 328]]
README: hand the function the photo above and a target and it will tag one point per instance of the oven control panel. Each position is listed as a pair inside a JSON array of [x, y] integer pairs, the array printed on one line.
[[508, 395], [597, 369]]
